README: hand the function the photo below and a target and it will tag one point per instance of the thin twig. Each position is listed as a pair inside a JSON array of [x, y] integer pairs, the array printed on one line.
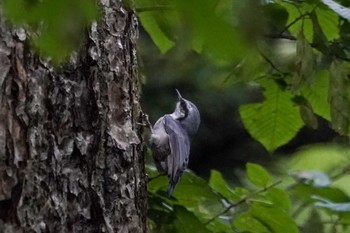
[[268, 60], [228, 77], [294, 22], [242, 200], [344, 172], [300, 209]]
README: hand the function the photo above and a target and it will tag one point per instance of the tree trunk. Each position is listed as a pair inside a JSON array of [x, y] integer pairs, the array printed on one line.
[[70, 150]]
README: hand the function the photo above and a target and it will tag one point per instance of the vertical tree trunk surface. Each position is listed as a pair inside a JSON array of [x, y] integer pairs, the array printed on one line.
[[70, 152]]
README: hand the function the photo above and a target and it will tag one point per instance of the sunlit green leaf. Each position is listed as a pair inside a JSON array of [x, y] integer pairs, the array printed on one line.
[[219, 226], [276, 120], [276, 219], [218, 183], [192, 189], [328, 21], [280, 198], [317, 94], [319, 39], [343, 182], [245, 222], [298, 18], [186, 222], [258, 175]]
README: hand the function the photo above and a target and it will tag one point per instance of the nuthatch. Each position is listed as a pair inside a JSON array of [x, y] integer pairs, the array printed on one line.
[[170, 140]]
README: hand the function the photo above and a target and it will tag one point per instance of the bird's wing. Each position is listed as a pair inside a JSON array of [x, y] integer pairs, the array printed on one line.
[[180, 149]]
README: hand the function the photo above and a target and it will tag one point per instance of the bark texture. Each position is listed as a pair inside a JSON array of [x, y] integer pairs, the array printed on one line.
[[70, 150]]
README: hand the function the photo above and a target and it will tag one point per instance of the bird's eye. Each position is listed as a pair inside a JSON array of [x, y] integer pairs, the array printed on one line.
[[183, 105], [184, 108]]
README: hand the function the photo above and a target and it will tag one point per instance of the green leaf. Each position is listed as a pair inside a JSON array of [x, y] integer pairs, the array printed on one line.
[[212, 34], [339, 97], [276, 120], [319, 40], [258, 175], [245, 222], [158, 36], [196, 196], [186, 222], [317, 94], [328, 21], [276, 15], [305, 62], [343, 183], [297, 18], [192, 190], [61, 23], [192, 193], [276, 219], [218, 183], [219, 226], [280, 198]]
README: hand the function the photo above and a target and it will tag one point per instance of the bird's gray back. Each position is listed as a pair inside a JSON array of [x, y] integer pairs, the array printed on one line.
[[179, 143], [160, 146]]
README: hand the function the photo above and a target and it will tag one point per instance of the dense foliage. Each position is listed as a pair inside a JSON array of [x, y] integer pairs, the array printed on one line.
[[310, 202], [296, 52], [292, 49]]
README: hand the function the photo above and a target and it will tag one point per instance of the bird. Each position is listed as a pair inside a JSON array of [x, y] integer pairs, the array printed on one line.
[[171, 138]]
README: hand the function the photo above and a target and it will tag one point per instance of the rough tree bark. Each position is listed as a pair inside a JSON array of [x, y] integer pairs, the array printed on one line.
[[70, 150]]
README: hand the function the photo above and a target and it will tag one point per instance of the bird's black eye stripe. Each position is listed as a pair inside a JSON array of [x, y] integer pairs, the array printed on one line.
[[184, 108]]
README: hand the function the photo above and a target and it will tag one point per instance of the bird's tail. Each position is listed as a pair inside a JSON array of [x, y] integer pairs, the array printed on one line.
[[172, 183], [171, 189]]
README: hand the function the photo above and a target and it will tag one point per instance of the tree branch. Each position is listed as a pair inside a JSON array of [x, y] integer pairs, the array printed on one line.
[[242, 200], [294, 22]]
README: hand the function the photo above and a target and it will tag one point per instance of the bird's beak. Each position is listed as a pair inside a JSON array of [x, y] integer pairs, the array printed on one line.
[[179, 97]]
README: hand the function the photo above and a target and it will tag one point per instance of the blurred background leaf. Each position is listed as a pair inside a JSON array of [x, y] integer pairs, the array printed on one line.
[[55, 28]]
